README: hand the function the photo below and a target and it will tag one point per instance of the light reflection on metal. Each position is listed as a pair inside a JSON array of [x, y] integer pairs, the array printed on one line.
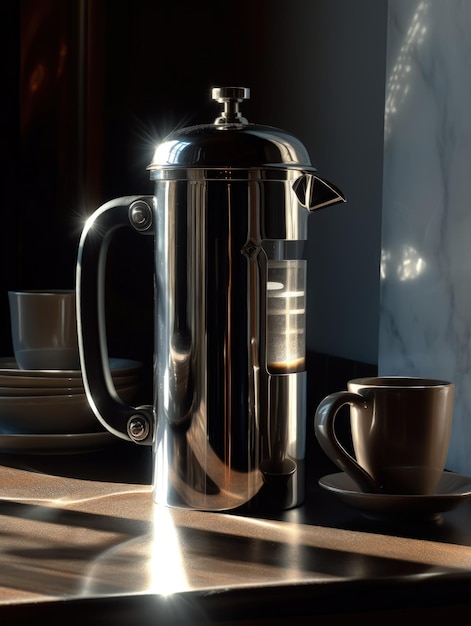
[[399, 81], [167, 151]]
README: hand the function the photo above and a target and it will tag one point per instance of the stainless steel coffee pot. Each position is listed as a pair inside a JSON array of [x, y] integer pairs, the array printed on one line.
[[229, 220]]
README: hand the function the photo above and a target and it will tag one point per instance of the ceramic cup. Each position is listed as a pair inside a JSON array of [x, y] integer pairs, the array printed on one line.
[[400, 428], [44, 329]]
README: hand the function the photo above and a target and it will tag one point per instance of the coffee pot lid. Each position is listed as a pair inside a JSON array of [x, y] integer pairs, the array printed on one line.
[[231, 142]]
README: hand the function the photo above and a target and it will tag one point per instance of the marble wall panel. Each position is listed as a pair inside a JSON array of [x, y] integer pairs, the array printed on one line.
[[425, 304]]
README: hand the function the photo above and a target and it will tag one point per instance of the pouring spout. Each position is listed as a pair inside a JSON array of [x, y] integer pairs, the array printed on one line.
[[315, 193]]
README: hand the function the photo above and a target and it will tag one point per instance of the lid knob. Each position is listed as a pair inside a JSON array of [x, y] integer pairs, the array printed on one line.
[[231, 97]]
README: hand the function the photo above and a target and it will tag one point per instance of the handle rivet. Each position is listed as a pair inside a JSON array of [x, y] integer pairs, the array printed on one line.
[[140, 215], [138, 428]]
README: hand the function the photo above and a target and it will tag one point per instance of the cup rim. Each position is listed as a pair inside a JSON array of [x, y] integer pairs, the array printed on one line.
[[399, 382], [42, 292]]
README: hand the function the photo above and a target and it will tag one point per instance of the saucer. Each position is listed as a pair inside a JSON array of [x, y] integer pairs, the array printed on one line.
[[30, 383], [55, 444], [452, 490], [119, 367], [52, 414]]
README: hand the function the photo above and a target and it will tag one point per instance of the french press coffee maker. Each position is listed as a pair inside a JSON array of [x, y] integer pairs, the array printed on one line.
[[229, 220]]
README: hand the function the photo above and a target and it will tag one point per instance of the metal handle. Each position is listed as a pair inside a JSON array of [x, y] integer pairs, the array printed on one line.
[[131, 423]]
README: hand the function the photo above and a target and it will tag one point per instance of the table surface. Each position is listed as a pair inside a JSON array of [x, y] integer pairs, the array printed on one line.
[[80, 536]]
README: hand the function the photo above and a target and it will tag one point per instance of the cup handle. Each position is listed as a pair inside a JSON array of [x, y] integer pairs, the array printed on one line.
[[324, 426], [127, 422]]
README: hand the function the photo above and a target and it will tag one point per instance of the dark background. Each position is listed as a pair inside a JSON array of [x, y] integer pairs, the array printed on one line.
[[90, 86]]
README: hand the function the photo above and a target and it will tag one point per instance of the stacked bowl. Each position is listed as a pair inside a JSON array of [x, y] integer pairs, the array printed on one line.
[[48, 411]]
